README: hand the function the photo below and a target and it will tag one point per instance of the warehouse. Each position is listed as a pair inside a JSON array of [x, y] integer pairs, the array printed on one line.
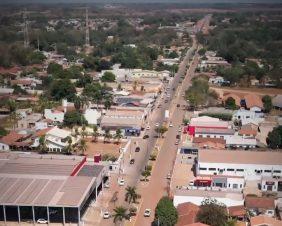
[[55, 188]]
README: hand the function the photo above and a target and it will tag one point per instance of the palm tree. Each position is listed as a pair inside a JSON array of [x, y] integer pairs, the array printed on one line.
[[42, 144], [69, 148], [107, 136], [146, 174], [83, 133], [120, 213], [77, 103], [134, 85], [131, 194], [118, 135], [82, 146], [95, 133]]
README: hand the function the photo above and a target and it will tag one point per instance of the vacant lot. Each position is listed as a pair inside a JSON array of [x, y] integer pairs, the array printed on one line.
[[242, 91], [103, 148]]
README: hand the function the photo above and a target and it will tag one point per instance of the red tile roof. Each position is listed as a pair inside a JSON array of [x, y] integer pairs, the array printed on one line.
[[253, 100], [265, 220], [42, 132], [187, 213], [236, 211], [259, 202]]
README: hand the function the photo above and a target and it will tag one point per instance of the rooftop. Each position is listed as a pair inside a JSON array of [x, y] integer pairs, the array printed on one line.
[[240, 157], [214, 131], [259, 202], [264, 220]]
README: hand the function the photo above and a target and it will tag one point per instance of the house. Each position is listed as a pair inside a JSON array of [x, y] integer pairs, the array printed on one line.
[[29, 121], [238, 213], [56, 139], [271, 183], [252, 102], [246, 117], [205, 122], [264, 221], [248, 130], [187, 213], [260, 205], [240, 142], [37, 135], [222, 133], [54, 115], [252, 165], [92, 116], [277, 102], [218, 80], [15, 141]]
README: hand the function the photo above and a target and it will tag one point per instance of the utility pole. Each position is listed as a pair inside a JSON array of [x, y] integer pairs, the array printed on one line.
[[87, 39], [25, 31]]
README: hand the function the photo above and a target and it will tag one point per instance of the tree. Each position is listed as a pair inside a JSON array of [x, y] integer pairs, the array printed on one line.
[[118, 135], [107, 136], [212, 213], [146, 173], [274, 138], [3, 132], [120, 214], [74, 118], [230, 103], [267, 103], [68, 149], [54, 69], [108, 77], [166, 213], [82, 146], [202, 51], [77, 103], [161, 130], [61, 89], [108, 103], [131, 194], [95, 133], [42, 144]]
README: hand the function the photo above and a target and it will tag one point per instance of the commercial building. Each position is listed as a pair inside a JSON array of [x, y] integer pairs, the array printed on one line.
[[52, 187], [252, 165]]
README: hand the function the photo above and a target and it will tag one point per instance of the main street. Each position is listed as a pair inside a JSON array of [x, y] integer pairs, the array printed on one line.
[[153, 190]]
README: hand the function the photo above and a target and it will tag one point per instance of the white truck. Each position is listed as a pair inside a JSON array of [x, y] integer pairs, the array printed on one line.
[[166, 115]]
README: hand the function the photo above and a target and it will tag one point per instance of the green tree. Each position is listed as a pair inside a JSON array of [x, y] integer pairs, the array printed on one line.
[[120, 214], [202, 51], [274, 138], [131, 194], [42, 144], [61, 89], [108, 77], [146, 173], [54, 69], [107, 136], [166, 213], [161, 130], [82, 146], [230, 103], [212, 213], [74, 118], [118, 136], [95, 133], [77, 103], [3, 132], [267, 103]]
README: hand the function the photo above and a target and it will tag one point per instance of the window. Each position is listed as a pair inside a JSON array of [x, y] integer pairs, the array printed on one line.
[[276, 171], [241, 185], [240, 170], [212, 169], [201, 168], [222, 137], [235, 186], [267, 171], [258, 171], [230, 169]]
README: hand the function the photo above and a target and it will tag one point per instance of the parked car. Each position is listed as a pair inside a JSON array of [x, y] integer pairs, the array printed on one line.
[[42, 221], [147, 212], [121, 182], [106, 215], [145, 136], [132, 161], [178, 105], [107, 185], [177, 136], [148, 128], [157, 125], [137, 149]]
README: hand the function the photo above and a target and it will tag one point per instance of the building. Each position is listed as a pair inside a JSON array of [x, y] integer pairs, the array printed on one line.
[[272, 184], [218, 80], [252, 102], [29, 121], [205, 122], [252, 165], [220, 133], [54, 115], [187, 213], [260, 206], [213, 143], [15, 141], [57, 139], [56, 188], [246, 116], [197, 196], [277, 102], [92, 116], [240, 142], [238, 213], [265, 221]]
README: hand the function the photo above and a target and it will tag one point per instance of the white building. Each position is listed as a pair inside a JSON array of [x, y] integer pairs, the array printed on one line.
[[269, 183], [218, 80], [246, 116], [54, 115], [92, 116], [170, 62], [56, 139], [214, 133], [241, 142], [252, 165], [196, 197]]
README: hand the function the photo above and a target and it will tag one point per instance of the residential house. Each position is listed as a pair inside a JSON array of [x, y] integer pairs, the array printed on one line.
[[56, 139], [271, 183], [36, 136], [218, 80], [252, 102], [54, 115], [277, 102], [29, 121], [187, 213], [248, 130], [264, 221], [246, 117], [260, 205], [237, 213], [15, 141]]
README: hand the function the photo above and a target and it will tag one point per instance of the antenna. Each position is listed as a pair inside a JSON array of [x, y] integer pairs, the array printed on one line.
[[26, 38], [87, 39]]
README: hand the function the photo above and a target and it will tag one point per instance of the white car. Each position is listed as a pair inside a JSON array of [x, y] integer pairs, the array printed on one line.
[[170, 125], [107, 185], [191, 183], [147, 212], [176, 142], [106, 215], [121, 182], [148, 128], [42, 221], [157, 125], [180, 130]]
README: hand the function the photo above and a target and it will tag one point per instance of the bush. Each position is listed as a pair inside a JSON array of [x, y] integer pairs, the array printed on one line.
[[149, 167], [224, 117]]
